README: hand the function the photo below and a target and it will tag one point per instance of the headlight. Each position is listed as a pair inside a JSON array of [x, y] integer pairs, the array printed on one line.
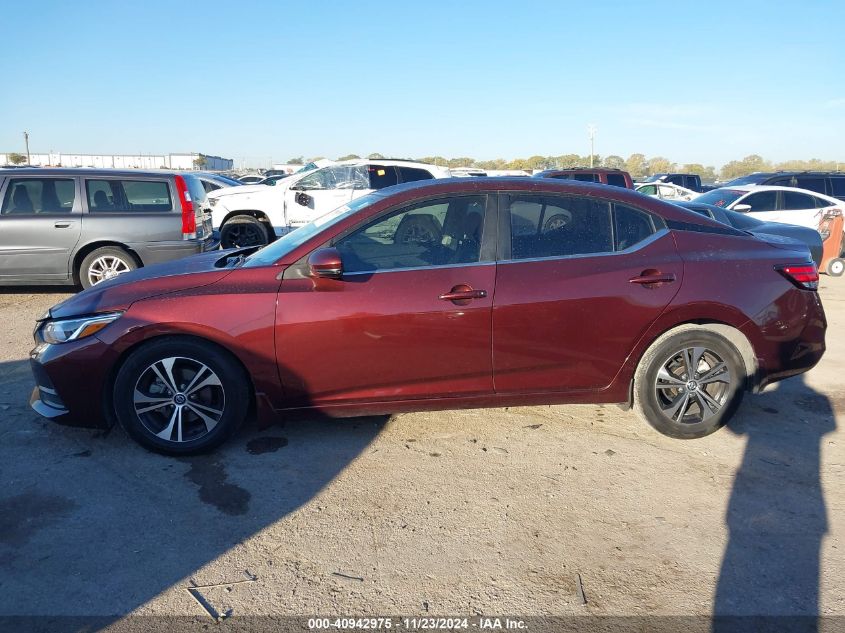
[[66, 330]]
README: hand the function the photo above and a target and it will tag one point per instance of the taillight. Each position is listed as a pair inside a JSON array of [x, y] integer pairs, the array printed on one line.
[[804, 276], [189, 220]]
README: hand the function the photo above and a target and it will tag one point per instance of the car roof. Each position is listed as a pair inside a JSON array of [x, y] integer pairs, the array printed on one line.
[[95, 171], [567, 170]]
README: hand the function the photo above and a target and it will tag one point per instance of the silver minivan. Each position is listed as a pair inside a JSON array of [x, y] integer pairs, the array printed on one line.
[[82, 226]]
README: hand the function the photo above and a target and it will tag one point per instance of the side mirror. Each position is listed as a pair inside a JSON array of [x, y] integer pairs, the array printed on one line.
[[742, 208], [327, 263]]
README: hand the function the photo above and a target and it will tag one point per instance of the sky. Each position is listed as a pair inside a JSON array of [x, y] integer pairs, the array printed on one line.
[[264, 81]]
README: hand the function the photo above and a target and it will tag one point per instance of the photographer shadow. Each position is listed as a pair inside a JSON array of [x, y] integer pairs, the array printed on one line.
[[776, 516]]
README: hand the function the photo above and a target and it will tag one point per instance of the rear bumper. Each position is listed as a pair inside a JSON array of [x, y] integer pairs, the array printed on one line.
[[160, 252], [787, 341]]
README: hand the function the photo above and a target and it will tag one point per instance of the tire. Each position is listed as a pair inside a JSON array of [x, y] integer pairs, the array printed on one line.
[[105, 263], [835, 267], [243, 230], [662, 404], [166, 420]]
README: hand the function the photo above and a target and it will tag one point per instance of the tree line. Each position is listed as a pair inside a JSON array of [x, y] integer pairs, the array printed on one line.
[[638, 165]]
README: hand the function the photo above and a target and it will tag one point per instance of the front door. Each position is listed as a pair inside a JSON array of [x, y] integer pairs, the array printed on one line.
[[409, 319], [40, 225], [580, 281]]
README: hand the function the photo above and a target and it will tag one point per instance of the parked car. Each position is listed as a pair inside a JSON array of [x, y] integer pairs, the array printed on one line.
[[744, 222], [774, 204], [667, 191], [387, 304], [687, 181], [251, 179], [255, 215], [212, 182], [830, 183], [83, 226], [615, 177]]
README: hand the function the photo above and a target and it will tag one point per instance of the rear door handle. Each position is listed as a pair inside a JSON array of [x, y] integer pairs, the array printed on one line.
[[463, 292], [649, 277], [62, 225]]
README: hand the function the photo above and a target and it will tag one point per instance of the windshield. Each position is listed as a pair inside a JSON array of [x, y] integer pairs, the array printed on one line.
[[655, 178], [720, 197], [274, 251]]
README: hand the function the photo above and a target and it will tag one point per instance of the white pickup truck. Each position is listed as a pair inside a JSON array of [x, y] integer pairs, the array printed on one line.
[[255, 214]]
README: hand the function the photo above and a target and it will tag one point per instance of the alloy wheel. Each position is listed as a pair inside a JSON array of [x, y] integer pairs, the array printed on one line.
[[693, 385], [106, 267], [179, 399], [241, 236]]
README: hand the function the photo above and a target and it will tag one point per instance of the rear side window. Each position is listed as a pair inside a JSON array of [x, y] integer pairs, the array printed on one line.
[[837, 186], [128, 196], [209, 187], [630, 226], [811, 183], [586, 177], [781, 182], [562, 176], [617, 180], [795, 201], [382, 176], [559, 226], [26, 196], [762, 201], [410, 174]]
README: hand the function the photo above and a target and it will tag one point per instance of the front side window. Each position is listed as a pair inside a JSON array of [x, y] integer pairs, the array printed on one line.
[[382, 176], [558, 226], [25, 196], [648, 190], [128, 196], [762, 201], [795, 201], [433, 233]]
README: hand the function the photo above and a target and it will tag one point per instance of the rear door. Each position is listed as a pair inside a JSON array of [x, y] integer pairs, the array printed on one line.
[[132, 210], [579, 281], [40, 225]]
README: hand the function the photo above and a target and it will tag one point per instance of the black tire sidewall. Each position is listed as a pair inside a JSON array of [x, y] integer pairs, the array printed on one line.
[[646, 398], [114, 251], [242, 219], [231, 375]]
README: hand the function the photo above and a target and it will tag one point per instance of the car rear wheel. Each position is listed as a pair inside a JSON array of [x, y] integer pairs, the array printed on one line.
[[689, 384], [103, 264], [180, 396], [243, 230]]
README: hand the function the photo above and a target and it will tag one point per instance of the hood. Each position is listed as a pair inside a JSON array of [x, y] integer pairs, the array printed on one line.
[[122, 291]]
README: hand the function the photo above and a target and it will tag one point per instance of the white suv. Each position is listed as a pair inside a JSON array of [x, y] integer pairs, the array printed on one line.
[[252, 215]]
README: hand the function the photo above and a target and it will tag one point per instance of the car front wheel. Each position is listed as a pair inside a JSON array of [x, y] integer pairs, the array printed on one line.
[[689, 384], [242, 231], [180, 396]]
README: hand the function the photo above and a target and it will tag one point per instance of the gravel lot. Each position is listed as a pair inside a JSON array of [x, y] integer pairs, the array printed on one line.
[[567, 510]]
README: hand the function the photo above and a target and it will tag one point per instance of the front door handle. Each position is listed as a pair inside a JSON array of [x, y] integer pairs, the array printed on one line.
[[62, 225], [462, 292], [652, 277]]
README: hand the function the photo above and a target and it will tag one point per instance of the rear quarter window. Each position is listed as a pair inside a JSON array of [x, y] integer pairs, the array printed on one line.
[[617, 180]]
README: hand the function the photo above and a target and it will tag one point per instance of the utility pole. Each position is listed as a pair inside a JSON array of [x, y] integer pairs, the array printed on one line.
[[591, 132], [26, 141]]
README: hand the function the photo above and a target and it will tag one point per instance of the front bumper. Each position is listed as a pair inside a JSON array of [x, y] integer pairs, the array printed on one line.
[[70, 382]]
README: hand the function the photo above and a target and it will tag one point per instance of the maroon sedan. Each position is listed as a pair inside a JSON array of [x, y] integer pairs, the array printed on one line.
[[440, 295]]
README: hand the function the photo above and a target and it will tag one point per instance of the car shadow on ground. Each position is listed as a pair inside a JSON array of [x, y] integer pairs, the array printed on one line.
[[776, 516], [93, 525]]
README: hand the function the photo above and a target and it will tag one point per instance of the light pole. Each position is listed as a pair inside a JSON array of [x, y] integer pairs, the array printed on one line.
[[26, 141], [591, 132]]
